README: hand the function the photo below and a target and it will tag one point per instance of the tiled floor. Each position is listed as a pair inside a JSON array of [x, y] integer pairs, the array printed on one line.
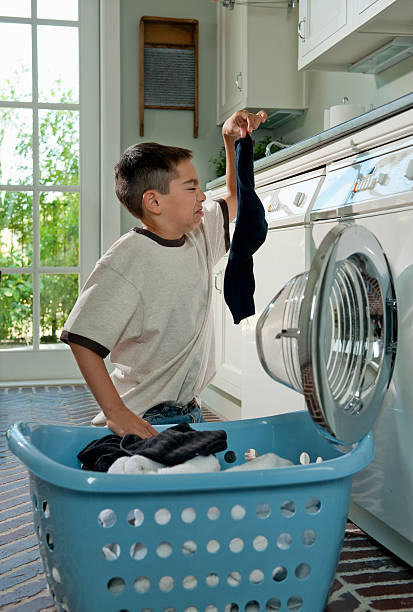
[[368, 577]]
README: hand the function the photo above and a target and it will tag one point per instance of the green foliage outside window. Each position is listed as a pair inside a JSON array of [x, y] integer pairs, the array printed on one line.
[[59, 224]]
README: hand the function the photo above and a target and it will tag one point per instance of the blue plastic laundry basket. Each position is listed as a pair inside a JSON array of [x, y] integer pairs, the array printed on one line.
[[262, 540]]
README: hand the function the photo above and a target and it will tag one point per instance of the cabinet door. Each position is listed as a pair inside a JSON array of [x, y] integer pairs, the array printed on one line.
[[319, 20], [362, 5], [227, 339], [231, 43]]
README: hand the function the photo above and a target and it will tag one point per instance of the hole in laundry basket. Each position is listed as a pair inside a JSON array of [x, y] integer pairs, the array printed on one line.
[[166, 584], [164, 550], [49, 541], [288, 509], [190, 582], [212, 580], [107, 517], [305, 458], [279, 573], [189, 547], [111, 551], [302, 571], [308, 537], [213, 513], [135, 517], [213, 546], [236, 545], [116, 585], [238, 512], [35, 502], [294, 603], [188, 515], [142, 584], [284, 541], [273, 605], [39, 531], [211, 609], [260, 543], [230, 457], [191, 609], [56, 575], [252, 606], [138, 551], [313, 506], [319, 460], [231, 607], [234, 579], [46, 509], [263, 511], [256, 576], [162, 516]]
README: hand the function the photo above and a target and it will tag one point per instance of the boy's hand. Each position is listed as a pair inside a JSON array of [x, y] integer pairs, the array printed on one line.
[[242, 123], [128, 423]]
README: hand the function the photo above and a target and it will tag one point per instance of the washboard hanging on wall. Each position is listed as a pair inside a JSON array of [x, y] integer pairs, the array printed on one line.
[[168, 66]]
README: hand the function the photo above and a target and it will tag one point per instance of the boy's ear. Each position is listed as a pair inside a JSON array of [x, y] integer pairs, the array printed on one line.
[[150, 202]]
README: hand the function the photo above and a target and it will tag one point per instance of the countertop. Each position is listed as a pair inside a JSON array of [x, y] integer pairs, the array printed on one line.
[[348, 127]]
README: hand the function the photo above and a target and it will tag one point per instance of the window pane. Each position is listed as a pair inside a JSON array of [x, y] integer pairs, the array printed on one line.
[[58, 293], [50, 9], [59, 229], [16, 307], [15, 8], [58, 58], [16, 228], [16, 158], [16, 62], [59, 147]]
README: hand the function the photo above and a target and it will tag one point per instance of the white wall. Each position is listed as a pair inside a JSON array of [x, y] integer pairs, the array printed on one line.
[[170, 127], [329, 88]]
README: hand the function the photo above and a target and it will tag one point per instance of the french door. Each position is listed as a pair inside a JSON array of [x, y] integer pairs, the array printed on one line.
[[49, 178]]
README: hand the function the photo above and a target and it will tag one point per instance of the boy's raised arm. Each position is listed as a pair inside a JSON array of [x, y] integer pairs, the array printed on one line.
[[119, 418], [238, 125]]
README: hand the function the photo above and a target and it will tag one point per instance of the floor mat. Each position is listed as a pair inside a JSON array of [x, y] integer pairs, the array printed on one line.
[[368, 577]]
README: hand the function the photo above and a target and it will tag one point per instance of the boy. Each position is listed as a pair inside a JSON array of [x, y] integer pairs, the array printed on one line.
[[148, 300]]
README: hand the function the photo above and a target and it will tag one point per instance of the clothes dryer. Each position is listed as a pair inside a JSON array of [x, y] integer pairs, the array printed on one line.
[[288, 204], [375, 191]]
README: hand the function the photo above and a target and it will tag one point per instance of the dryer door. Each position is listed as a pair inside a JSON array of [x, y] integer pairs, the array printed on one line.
[[330, 333]]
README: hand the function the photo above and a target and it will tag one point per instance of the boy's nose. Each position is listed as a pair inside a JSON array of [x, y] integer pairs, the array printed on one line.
[[202, 196]]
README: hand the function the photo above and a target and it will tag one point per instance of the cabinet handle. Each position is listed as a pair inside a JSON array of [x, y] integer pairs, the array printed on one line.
[[299, 29], [238, 81], [215, 282]]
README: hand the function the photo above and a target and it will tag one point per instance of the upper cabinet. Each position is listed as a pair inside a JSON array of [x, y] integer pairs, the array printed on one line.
[[257, 62], [349, 35]]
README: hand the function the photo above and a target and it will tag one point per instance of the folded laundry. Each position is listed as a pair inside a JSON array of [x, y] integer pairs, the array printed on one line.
[[137, 464], [170, 447]]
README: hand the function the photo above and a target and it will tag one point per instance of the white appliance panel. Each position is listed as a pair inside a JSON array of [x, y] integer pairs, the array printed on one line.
[[385, 488], [281, 257]]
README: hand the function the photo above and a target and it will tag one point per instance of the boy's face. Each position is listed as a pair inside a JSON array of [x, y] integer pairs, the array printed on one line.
[[182, 206]]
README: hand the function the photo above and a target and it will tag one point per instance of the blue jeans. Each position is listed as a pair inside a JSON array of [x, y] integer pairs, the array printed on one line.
[[172, 414]]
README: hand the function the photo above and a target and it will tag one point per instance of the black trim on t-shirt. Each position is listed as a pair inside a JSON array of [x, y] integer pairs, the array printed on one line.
[[162, 241], [225, 214], [67, 337]]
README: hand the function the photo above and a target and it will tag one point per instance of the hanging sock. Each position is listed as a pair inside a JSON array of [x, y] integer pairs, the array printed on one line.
[[250, 233]]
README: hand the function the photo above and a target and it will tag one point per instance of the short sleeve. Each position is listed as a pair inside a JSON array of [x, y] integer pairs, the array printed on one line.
[[216, 224], [103, 309]]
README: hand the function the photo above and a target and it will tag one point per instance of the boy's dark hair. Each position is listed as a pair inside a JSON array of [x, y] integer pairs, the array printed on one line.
[[144, 166]]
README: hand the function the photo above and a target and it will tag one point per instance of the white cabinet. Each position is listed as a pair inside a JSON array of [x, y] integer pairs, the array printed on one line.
[[257, 62], [337, 34], [227, 338]]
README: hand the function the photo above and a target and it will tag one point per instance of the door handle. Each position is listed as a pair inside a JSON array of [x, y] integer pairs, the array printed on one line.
[[238, 81], [300, 34]]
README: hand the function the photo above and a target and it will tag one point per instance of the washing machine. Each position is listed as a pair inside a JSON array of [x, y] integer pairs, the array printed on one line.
[[285, 253], [374, 191]]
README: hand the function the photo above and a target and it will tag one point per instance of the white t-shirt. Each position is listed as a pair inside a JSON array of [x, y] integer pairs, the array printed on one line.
[[148, 304]]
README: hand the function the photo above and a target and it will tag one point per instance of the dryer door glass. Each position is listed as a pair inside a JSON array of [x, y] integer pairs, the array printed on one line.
[[330, 333]]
